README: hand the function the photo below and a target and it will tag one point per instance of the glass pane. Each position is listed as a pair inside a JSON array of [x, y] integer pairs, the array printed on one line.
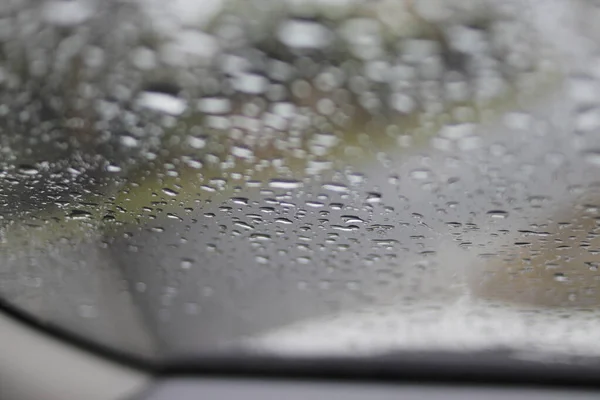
[[320, 177]]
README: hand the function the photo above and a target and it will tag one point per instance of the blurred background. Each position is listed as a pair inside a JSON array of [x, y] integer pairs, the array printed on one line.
[[302, 177]]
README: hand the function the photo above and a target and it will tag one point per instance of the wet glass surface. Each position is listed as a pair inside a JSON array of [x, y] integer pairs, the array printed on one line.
[[321, 177]]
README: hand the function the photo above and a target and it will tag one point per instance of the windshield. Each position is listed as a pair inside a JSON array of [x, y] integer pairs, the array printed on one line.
[[316, 177]]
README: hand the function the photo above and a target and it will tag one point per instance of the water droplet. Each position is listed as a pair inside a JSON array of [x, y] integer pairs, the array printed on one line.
[[143, 58], [242, 152], [28, 170], [250, 83], [129, 141], [262, 260], [560, 277], [352, 219], [458, 131], [244, 225], [303, 260], [186, 263], [80, 215], [592, 266], [583, 90], [349, 228], [67, 13], [356, 179], [285, 184], [240, 200], [304, 34], [174, 216], [112, 168], [162, 102], [385, 242], [336, 187], [197, 142], [373, 198], [499, 214], [403, 103], [260, 237], [420, 174], [170, 192]]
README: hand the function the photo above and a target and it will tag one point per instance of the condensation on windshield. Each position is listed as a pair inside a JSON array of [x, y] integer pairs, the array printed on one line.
[[303, 176]]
